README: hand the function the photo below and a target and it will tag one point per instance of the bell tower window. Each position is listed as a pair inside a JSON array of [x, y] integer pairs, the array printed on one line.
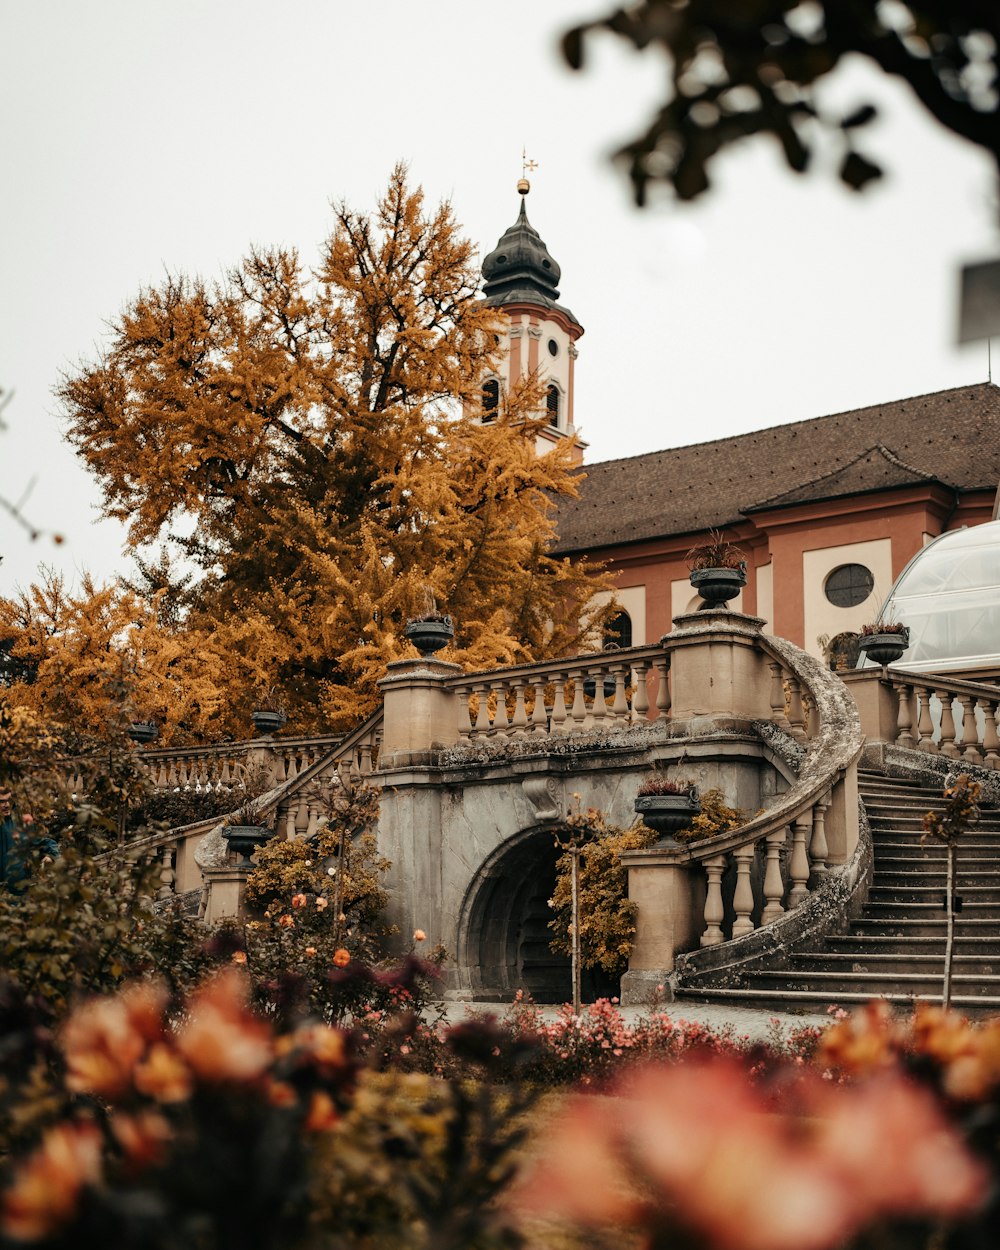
[[552, 404], [491, 398]]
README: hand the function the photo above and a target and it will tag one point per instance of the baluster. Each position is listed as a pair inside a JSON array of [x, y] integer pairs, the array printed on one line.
[[819, 850], [161, 776], [796, 720], [560, 717], [172, 774], [663, 690], [166, 873], [539, 716], [714, 909], [483, 713], [365, 767], [355, 773], [640, 700], [464, 719], [600, 711], [774, 887], [991, 743], [925, 722], [579, 708], [290, 811], [500, 721], [313, 821], [225, 776], [743, 894], [904, 719], [619, 705], [947, 745], [520, 720], [798, 863], [970, 730], [778, 695]]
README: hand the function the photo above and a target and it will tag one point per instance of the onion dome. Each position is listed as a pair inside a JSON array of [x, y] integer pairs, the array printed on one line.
[[520, 269]]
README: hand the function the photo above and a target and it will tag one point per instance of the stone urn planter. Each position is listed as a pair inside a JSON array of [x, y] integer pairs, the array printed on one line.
[[718, 585], [267, 721], [141, 731], [666, 813], [430, 633], [885, 647], [245, 839]]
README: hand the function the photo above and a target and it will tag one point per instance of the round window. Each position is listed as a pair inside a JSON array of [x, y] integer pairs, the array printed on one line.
[[849, 585], [553, 347]]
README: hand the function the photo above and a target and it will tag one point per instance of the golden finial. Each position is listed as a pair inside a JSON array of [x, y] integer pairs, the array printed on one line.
[[527, 166]]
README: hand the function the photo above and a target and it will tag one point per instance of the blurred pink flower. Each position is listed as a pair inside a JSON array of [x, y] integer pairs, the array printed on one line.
[[696, 1145]]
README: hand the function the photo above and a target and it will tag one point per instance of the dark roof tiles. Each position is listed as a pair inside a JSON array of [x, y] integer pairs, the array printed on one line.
[[949, 436]]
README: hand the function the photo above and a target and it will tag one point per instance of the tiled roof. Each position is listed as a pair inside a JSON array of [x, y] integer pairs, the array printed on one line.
[[950, 436]]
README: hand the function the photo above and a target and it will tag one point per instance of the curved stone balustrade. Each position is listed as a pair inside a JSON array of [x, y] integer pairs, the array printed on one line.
[[797, 851], [730, 885], [609, 690]]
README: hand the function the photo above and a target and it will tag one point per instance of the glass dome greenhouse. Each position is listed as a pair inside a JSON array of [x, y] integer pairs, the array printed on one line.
[[949, 596]]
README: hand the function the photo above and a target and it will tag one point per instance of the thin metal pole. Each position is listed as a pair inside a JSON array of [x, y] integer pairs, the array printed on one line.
[[575, 852]]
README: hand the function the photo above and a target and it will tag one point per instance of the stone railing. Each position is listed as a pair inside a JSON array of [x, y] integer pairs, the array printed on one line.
[[726, 887], [927, 712], [796, 849], [613, 689]]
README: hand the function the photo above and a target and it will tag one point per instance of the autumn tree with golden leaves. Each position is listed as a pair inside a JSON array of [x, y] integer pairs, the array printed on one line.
[[308, 441]]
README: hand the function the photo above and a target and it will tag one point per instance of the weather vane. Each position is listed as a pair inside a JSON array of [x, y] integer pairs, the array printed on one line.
[[523, 185]]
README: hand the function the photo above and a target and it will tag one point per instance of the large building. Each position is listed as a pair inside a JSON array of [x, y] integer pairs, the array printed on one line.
[[828, 511]]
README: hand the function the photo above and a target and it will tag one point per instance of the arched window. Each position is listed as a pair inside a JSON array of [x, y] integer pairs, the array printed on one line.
[[491, 398], [618, 632], [552, 403]]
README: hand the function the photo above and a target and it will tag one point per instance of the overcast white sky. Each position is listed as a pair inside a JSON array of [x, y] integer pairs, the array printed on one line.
[[141, 137]]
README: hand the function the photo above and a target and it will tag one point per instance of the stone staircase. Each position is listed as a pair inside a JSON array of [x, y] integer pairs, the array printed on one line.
[[895, 949]]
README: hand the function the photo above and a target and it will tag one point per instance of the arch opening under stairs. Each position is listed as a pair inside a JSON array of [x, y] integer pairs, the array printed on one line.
[[504, 930]]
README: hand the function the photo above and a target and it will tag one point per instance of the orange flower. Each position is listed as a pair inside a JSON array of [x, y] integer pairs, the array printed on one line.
[[281, 1094], [322, 1113], [286, 921], [868, 1040], [299, 900], [323, 1044], [104, 1039], [341, 958], [163, 1075], [322, 904], [419, 935], [310, 952], [239, 957], [46, 1188], [143, 1138], [221, 1039]]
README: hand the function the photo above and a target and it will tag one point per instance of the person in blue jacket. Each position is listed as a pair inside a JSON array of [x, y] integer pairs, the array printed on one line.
[[17, 847]]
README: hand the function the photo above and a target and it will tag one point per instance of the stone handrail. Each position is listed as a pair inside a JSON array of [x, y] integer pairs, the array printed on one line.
[[293, 802], [604, 690], [925, 711], [823, 747]]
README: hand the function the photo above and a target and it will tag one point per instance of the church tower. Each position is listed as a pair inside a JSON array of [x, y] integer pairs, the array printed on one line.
[[521, 279]]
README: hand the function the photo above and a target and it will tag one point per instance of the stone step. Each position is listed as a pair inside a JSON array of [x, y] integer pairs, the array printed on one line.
[[809, 1001], [912, 984], [907, 926], [935, 876], [888, 963], [969, 894]]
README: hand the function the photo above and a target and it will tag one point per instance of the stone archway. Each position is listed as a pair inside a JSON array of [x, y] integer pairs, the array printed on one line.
[[504, 934]]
